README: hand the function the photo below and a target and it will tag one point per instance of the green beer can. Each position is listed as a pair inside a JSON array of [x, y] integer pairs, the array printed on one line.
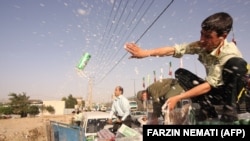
[[83, 61]]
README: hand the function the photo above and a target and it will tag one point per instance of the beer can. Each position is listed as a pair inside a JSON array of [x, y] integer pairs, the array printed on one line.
[[83, 61]]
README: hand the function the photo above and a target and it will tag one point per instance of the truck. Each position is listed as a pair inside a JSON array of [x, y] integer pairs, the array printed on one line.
[[133, 105]]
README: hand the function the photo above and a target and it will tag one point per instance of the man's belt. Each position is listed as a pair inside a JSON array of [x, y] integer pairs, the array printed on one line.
[[119, 117]]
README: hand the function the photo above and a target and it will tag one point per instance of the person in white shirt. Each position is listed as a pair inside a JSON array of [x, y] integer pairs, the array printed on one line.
[[78, 118], [121, 109]]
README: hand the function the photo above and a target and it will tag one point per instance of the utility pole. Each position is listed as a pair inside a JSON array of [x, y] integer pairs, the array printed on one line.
[[134, 90], [90, 91]]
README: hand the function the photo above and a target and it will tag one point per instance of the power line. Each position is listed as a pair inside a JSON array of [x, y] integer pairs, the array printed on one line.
[[106, 63], [105, 30], [115, 54], [110, 27], [139, 38], [112, 36]]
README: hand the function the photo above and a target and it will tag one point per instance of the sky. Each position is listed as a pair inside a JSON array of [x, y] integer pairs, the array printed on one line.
[[42, 41]]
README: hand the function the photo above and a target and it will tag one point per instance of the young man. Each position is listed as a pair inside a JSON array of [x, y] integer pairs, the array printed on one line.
[[213, 52], [121, 109]]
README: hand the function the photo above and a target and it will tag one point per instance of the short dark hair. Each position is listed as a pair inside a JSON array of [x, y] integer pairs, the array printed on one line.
[[139, 94], [120, 88], [220, 22]]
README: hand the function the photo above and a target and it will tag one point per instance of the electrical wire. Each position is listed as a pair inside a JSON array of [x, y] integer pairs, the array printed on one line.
[[138, 39], [104, 63], [133, 29]]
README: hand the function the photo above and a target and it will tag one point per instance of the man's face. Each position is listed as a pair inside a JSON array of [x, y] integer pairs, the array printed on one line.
[[209, 40], [117, 91], [144, 96]]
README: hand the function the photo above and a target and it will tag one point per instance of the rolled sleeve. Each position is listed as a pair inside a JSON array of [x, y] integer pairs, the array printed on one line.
[[179, 50], [185, 48], [214, 78]]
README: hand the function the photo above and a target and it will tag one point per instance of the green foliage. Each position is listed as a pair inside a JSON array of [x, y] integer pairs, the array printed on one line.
[[83, 103], [19, 103], [50, 109], [42, 107], [33, 110], [70, 102], [5, 110]]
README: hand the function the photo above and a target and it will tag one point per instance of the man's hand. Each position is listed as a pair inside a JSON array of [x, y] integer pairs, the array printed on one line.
[[109, 121], [171, 102], [118, 120], [135, 50]]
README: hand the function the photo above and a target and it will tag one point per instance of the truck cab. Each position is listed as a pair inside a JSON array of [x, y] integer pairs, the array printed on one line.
[[133, 106]]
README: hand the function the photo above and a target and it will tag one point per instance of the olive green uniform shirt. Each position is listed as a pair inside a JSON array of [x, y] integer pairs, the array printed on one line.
[[213, 62], [164, 88]]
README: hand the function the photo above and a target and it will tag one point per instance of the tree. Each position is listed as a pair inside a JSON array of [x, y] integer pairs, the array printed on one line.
[[70, 102], [19, 103], [33, 110], [5, 110], [50, 109], [42, 108], [83, 103]]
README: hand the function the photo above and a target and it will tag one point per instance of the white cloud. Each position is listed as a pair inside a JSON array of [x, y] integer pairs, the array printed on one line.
[[81, 11]]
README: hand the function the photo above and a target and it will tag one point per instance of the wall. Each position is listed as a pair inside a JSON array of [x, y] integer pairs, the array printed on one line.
[[59, 107]]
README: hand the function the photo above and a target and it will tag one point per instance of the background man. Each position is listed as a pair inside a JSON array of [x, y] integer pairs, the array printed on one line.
[[121, 109], [159, 92]]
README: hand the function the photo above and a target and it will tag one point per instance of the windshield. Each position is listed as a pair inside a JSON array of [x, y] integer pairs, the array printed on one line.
[[95, 125], [133, 103]]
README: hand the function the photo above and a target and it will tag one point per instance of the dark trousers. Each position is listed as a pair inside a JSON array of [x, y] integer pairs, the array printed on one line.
[[78, 123], [228, 95], [225, 95], [188, 80], [127, 122]]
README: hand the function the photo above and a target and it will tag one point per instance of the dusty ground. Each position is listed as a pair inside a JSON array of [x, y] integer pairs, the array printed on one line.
[[29, 128]]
